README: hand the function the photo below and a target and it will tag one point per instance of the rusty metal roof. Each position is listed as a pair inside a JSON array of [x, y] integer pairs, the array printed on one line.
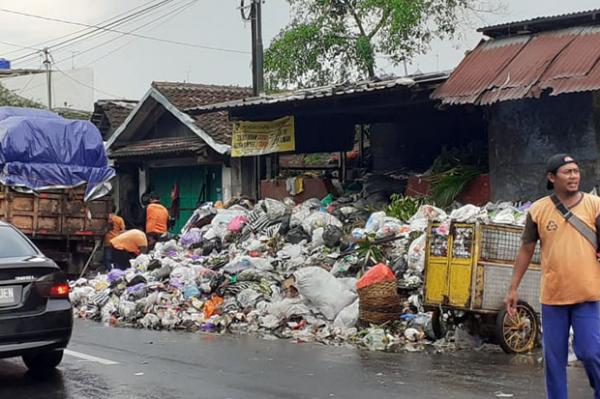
[[525, 66], [540, 24], [337, 90]]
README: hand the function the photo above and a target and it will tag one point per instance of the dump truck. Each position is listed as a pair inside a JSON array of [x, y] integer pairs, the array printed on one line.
[[54, 183], [65, 227]]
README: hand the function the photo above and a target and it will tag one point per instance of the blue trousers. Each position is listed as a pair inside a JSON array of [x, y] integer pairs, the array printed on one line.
[[556, 322]]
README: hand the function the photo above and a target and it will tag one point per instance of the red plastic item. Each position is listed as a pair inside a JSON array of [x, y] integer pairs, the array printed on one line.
[[377, 274]]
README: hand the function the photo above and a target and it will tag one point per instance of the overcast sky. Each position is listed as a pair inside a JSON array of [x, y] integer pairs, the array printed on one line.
[[124, 66]]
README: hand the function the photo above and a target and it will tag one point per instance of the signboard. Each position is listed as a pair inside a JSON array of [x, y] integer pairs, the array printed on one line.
[[263, 137]]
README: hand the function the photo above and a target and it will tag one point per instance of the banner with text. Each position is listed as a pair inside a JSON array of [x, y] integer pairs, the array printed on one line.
[[263, 137]]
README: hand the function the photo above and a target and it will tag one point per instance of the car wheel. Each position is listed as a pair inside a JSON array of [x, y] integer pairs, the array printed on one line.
[[44, 361]]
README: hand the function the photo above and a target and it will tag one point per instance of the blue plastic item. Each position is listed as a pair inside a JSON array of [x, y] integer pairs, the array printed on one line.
[[52, 153], [4, 63], [7, 112]]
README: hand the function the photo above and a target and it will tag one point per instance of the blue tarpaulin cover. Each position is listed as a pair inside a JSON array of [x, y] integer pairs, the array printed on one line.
[[41, 153], [7, 112]]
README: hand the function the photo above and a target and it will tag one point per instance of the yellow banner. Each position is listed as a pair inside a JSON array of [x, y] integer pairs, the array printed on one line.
[[264, 137]]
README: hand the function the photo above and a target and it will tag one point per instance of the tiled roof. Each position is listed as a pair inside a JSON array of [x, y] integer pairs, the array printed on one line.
[[175, 145], [190, 95], [110, 114]]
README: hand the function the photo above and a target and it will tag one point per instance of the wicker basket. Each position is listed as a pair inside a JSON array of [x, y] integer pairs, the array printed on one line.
[[379, 303], [369, 317]]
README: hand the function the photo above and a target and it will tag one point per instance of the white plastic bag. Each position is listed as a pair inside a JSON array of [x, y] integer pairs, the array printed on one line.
[[416, 254], [375, 222], [319, 219], [425, 214], [467, 214], [348, 317], [323, 291], [287, 308]]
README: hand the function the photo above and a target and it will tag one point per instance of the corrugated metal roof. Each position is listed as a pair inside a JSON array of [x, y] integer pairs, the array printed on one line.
[[322, 92], [539, 24], [558, 62], [145, 148]]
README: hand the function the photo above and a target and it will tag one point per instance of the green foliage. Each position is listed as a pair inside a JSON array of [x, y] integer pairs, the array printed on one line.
[[9, 98], [335, 40], [369, 252], [447, 185], [402, 207]]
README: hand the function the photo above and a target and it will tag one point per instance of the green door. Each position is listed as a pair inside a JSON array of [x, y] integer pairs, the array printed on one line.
[[197, 184]]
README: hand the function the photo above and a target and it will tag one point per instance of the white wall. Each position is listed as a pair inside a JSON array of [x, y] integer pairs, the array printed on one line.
[[226, 183], [75, 90]]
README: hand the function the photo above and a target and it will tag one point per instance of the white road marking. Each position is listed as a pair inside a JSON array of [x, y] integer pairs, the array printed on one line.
[[90, 358]]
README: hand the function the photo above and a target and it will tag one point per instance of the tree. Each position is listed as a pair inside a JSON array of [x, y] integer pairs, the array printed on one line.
[[333, 40], [8, 97]]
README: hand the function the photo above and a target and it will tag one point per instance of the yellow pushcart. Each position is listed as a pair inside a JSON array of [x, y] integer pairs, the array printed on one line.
[[468, 268]]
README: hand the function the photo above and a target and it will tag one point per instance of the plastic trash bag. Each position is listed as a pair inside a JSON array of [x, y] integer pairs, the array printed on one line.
[[191, 238], [377, 274], [275, 210], [348, 317], [237, 224], [319, 219], [375, 222], [323, 291], [416, 254], [288, 308], [425, 214], [468, 214]]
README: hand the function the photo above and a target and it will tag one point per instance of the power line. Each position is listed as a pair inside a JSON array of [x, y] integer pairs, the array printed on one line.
[[173, 15], [85, 84], [38, 46], [176, 42], [98, 28]]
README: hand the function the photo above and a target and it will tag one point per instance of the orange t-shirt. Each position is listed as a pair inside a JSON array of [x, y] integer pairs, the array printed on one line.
[[570, 270], [157, 219], [130, 241], [118, 226]]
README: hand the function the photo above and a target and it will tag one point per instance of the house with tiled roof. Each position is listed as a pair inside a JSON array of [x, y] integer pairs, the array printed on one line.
[[161, 148], [109, 115]]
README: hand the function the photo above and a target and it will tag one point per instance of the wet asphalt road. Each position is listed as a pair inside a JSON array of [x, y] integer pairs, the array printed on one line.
[[128, 363]]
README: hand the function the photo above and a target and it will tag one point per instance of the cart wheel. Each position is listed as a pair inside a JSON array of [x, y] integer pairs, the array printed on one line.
[[437, 324], [518, 333]]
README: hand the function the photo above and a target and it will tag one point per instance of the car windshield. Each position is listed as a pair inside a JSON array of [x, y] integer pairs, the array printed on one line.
[[13, 244]]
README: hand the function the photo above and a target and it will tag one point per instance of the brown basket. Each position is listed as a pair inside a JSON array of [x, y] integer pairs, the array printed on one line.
[[371, 317], [379, 290], [391, 305]]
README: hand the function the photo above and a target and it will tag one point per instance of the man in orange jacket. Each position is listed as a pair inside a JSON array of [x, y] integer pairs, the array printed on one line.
[[127, 246], [116, 225], [157, 217]]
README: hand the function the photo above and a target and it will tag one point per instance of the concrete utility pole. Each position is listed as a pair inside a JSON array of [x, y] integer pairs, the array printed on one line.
[[255, 18], [258, 86], [47, 63], [257, 48]]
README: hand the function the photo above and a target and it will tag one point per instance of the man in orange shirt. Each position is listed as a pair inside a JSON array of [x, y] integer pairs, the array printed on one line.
[[116, 225], [565, 223], [157, 217], [128, 245]]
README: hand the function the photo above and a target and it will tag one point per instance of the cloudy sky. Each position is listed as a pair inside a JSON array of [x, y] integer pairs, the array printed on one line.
[[204, 41]]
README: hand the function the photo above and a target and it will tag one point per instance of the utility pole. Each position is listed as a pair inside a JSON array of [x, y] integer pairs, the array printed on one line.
[[257, 48], [255, 18], [47, 63], [258, 86]]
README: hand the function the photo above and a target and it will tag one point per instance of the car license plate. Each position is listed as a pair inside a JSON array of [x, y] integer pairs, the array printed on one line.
[[7, 296]]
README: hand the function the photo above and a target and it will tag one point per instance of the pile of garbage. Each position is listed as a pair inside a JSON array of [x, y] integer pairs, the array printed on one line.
[[282, 270]]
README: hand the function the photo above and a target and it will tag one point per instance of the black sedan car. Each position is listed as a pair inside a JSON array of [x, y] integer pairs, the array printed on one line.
[[36, 317]]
